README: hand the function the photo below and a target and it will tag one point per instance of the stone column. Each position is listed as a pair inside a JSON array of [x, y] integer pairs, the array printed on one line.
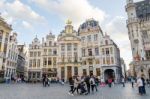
[[94, 70], [73, 71], [59, 72]]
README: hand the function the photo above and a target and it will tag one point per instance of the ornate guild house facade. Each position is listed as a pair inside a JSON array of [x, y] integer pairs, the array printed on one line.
[[84, 52]]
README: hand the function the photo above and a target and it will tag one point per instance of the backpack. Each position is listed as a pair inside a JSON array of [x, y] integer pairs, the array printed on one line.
[[91, 82]]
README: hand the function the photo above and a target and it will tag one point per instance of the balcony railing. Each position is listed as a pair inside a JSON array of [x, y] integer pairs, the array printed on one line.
[[132, 20]]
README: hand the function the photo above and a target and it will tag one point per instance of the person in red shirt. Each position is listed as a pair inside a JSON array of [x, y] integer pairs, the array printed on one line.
[[109, 82]]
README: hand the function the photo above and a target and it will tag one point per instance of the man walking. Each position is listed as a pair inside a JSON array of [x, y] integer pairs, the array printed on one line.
[[123, 81], [87, 81], [140, 84]]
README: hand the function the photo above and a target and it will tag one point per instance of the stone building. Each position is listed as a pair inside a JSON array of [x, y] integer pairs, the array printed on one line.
[[5, 30], [100, 55], [49, 55], [22, 61], [11, 57], [35, 60], [138, 24], [69, 54], [123, 68], [84, 52]]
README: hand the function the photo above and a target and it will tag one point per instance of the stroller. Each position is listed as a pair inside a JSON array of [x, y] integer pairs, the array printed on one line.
[[83, 88]]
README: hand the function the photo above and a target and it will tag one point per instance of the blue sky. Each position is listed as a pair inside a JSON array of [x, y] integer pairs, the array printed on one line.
[[38, 17]]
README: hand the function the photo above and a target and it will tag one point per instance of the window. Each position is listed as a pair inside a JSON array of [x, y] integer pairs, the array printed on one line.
[[55, 44], [38, 74], [35, 54], [89, 38], [95, 37], [90, 62], [75, 57], [38, 63], [98, 72], [83, 52], [83, 39], [31, 54], [30, 63], [39, 53], [75, 71], [33, 76], [148, 54], [45, 61], [54, 61], [63, 57], [90, 52], [54, 52], [97, 61], [84, 72], [34, 62], [145, 34], [69, 47], [49, 61], [45, 51], [107, 51], [96, 51], [103, 52], [62, 47], [69, 58], [50, 52]]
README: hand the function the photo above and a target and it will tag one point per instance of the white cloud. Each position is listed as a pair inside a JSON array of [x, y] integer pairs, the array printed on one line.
[[27, 25], [117, 30], [76, 10], [17, 11]]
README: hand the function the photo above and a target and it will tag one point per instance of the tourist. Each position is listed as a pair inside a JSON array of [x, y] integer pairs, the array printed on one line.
[[143, 87], [71, 83], [92, 83], [76, 85], [44, 78], [96, 81], [109, 82], [83, 86], [132, 82], [140, 85], [148, 82], [113, 82], [87, 81], [123, 81]]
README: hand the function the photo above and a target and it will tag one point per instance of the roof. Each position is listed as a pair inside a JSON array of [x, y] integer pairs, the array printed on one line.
[[143, 9]]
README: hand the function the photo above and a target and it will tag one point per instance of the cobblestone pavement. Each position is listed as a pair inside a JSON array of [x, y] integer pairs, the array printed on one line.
[[56, 91]]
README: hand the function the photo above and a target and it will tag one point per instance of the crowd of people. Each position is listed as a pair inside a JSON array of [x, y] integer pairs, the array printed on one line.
[[83, 85], [140, 82]]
